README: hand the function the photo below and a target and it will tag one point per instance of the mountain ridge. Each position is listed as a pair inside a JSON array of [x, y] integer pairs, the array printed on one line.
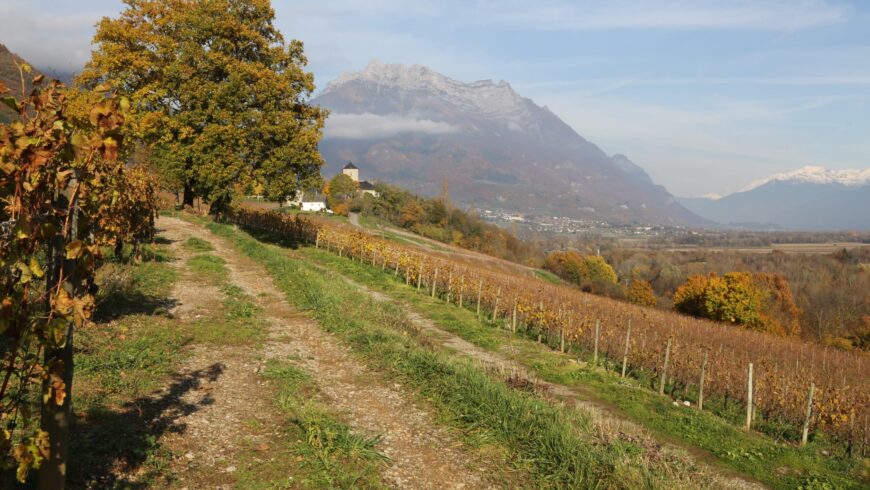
[[808, 198], [504, 151]]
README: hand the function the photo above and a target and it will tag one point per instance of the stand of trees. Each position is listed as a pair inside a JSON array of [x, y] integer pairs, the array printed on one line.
[[438, 220]]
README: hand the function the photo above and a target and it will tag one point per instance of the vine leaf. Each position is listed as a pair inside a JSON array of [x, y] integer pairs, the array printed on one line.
[[74, 249], [9, 102]]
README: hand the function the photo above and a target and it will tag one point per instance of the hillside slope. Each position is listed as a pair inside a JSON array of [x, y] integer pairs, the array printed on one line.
[[10, 76], [417, 128]]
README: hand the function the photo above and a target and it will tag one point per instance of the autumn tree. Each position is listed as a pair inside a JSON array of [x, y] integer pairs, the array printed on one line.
[[216, 92], [760, 301], [579, 269], [640, 292], [341, 187]]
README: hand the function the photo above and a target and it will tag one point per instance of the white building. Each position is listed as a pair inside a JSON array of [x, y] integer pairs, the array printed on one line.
[[308, 201], [315, 203], [364, 186]]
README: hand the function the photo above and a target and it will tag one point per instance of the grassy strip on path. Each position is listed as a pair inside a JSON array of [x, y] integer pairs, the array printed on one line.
[[777, 465], [137, 349], [315, 442], [561, 447]]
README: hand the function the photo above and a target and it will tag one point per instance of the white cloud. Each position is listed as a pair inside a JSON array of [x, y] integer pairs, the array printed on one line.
[[53, 34], [366, 126]]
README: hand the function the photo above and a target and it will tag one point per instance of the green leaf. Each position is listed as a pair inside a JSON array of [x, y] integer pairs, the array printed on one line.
[[10, 102], [25, 273], [35, 268]]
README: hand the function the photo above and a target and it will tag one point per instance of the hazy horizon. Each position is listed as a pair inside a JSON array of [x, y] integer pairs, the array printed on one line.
[[706, 96]]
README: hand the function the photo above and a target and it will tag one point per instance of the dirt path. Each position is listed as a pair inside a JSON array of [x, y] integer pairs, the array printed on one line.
[[228, 399], [503, 362], [423, 455]]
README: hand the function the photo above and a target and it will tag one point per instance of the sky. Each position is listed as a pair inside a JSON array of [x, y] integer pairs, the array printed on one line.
[[706, 96]]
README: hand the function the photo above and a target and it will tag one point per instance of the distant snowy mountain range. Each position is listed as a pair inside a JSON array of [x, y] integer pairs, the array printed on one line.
[[816, 175], [809, 198]]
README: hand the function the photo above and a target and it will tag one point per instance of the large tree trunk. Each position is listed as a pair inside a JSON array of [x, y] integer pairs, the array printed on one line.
[[218, 207], [188, 195]]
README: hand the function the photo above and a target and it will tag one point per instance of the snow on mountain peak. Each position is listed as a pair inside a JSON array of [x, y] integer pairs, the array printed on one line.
[[816, 175]]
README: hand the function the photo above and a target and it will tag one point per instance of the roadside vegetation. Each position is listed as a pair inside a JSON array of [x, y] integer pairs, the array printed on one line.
[[715, 431], [555, 444]]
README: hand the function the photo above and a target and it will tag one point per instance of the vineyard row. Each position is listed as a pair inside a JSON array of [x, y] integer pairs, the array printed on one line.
[[789, 379]]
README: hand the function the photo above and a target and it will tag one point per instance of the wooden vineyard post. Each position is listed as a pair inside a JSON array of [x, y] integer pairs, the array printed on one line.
[[408, 275], [749, 399], [317, 240], [495, 308], [561, 333], [625, 352], [852, 433], [448, 297], [701, 383], [434, 282], [479, 292], [570, 323], [665, 368], [461, 289], [806, 429], [420, 275], [398, 256], [514, 317], [595, 351]]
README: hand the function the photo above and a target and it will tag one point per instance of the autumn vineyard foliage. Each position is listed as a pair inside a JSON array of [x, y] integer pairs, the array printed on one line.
[[66, 194], [566, 319]]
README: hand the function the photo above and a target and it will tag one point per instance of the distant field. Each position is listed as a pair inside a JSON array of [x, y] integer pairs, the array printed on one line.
[[797, 248]]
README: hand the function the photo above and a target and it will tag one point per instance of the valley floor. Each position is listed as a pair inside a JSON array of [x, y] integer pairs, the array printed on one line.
[[242, 364]]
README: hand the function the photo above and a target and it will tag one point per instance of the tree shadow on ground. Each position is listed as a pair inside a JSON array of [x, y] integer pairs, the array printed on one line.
[[118, 303], [272, 237], [110, 447]]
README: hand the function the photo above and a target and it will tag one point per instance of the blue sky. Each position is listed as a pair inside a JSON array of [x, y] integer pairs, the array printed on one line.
[[706, 96]]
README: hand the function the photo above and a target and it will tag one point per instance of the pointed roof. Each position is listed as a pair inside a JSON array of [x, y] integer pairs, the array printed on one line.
[[350, 166]]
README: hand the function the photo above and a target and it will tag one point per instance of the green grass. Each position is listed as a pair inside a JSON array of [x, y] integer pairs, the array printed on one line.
[[775, 464], [316, 449], [195, 244], [548, 276], [119, 365], [237, 322], [558, 447], [209, 267]]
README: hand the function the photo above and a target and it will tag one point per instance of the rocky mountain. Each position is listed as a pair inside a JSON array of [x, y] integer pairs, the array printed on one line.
[[810, 198], [417, 128]]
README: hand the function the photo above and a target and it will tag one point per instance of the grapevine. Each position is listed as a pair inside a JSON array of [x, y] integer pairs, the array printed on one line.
[[784, 368]]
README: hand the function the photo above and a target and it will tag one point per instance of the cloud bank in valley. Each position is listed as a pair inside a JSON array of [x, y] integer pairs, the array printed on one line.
[[368, 126]]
